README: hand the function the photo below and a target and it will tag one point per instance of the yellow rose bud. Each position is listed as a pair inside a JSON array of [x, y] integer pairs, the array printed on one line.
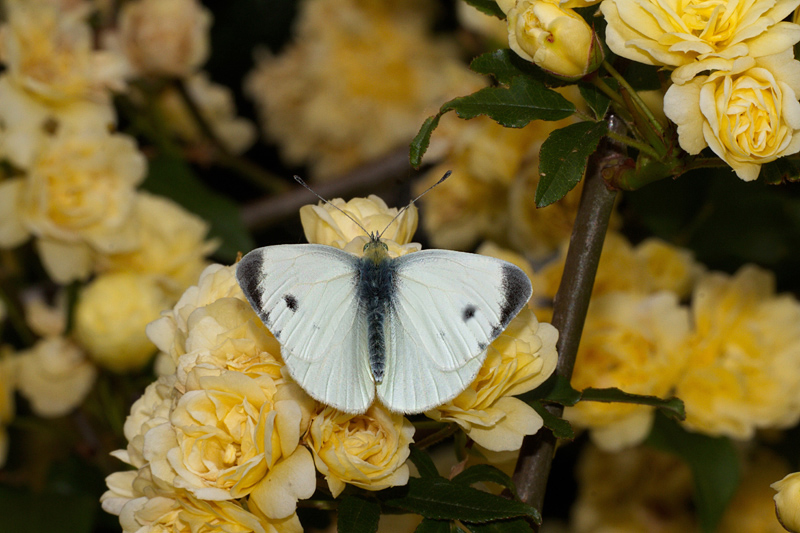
[[555, 38], [111, 316], [787, 500]]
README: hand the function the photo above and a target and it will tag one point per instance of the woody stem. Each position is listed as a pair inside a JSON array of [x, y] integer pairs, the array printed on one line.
[[571, 304]]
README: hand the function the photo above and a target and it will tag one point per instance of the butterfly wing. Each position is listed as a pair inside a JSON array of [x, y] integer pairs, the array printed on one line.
[[306, 295], [446, 308]]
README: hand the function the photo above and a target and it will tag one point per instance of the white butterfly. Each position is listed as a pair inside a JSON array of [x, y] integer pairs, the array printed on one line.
[[415, 328]]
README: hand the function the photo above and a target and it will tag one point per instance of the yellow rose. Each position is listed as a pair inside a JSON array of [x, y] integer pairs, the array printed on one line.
[[743, 368], [517, 361], [787, 500], [170, 332], [111, 316], [633, 342], [172, 245], [696, 36], [164, 37], [27, 122], [324, 224], [217, 107], [383, 74], [367, 450], [668, 267], [236, 435], [143, 506], [553, 37], [748, 115], [54, 376], [77, 200], [48, 52]]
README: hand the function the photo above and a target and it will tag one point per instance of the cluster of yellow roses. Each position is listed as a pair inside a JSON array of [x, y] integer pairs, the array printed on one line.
[[745, 108], [225, 437], [71, 186]]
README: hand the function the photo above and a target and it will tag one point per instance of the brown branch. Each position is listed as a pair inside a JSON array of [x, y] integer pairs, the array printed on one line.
[[367, 178], [571, 304]]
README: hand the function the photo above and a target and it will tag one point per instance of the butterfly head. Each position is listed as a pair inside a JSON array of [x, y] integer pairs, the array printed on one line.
[[375, 249]]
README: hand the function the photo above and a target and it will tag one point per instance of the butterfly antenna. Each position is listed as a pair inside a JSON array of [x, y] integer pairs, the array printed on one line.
[[403, 210], [299, 180]]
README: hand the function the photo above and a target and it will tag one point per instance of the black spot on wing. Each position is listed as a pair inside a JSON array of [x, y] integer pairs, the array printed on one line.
[[468, 312], [291, 302], [482, 346]]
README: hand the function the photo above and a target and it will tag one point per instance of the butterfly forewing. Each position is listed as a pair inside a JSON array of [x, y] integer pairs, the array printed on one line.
[[445, 310], [306, 296]]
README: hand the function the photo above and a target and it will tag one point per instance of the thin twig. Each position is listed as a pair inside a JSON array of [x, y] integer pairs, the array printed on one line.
[[367, 178], [570, 306]]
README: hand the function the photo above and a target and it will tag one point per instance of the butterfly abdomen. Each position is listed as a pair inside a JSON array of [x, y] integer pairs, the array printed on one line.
[[376, 290]]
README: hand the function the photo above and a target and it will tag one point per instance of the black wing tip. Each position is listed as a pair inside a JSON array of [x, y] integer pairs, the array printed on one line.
[[249, 272], [517, 290]]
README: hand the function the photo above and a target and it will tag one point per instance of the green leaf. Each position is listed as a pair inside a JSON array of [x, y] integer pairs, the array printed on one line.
[[170, 176], [421, 141], [489, 7], [780, 171], [483, 473], [443, 499], [423, 462], [555, 389], [429, 525], [671, 407], [526, 99], [514, 525], [596, 99], [504, 65], [358, 515], [714, 464], [563, 158], [560, 427]]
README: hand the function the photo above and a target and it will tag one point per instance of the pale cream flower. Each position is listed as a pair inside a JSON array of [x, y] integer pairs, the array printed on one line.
[[44, 319], [743, 369], [554, 37], [668, 267], [236, 435], [8, 382], [367, 450], [48, 51], [147, 508], [787, 501], [695, 36], [54, 376], [164, 37], [217, 107], [636, 343], [383, 75], [172, 245], [748, 115], [324, 224], [27, 122], [111, 316], [517, 361], [76, 200]]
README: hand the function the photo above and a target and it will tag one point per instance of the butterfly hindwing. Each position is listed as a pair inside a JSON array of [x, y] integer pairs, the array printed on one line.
[[445, 310], [306, 295]]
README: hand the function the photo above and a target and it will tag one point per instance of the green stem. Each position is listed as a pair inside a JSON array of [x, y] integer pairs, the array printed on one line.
[[633, 143], [440, 435], [654, 123], [598, 82]]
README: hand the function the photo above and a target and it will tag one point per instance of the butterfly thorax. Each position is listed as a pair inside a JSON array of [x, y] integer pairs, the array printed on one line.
[[376, 292]]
